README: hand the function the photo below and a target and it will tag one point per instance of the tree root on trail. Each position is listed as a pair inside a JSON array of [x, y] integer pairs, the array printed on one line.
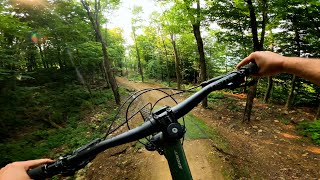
[[119, 152], [220, 150]]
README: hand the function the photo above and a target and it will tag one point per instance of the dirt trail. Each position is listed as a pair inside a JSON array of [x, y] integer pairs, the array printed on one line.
[[126, 162], [199, 152], [262, 149]]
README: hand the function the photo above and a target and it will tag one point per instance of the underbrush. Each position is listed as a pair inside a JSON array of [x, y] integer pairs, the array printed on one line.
[[311, 129], [215, 96], [48, 120], [47, 142]]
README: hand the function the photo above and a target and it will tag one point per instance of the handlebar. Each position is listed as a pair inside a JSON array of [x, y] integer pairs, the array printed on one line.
[[69, 164], [229, 80]]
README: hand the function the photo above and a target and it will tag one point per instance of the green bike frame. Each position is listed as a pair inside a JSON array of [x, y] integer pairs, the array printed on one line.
[[177, 161]]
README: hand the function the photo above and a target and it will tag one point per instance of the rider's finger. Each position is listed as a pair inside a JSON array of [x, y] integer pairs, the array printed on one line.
[[34, 163], [246, 60]]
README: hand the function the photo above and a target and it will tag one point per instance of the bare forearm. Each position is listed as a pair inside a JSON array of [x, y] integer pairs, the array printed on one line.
[[270, 63], [303, 67]]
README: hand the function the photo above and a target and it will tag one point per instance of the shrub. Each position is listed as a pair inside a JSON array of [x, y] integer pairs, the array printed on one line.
[[212, 97], [311, 129]]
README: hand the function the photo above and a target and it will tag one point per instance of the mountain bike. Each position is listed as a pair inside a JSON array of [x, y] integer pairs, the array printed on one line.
[[161, 127]]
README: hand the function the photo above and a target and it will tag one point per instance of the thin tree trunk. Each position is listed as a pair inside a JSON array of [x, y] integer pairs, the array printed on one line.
[[167, 60], [258, 46], [255, 40], [107, 64], [59, 57], [203, 70], [317, 116], [138, 55], [42, 56], [112, 80], [31, 62], [197, 34], [270, 80], [177, 61], [289, 102], [121, 65], [104, 73], [249, 103], [268, 92]]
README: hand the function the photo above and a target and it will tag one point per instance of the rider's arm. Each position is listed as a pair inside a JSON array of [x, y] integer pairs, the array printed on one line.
[[305, 68], [270, 63], [18, 170]]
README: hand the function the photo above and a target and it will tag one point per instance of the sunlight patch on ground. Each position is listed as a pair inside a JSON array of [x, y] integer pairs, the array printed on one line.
[[268, 142], [241, 96], [289, 136], [313, 149], [289, 126]]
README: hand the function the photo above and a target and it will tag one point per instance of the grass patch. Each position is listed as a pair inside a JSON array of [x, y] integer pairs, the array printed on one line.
[[197, 129], [42, 142], [234, 107], [134, 77], [139, 145], [215, 95], [285, 121], [310, 129]]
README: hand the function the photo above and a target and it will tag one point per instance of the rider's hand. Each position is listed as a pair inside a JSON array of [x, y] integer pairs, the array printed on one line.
[[269, 63], [18, 170]]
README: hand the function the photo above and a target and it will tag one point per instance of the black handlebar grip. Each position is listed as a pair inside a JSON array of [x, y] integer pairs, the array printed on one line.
[[251, 69], [37, 173]]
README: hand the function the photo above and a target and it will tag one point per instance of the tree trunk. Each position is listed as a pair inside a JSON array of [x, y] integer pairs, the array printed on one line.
[[42, 56], [268, 92], [104, 73], [289, 102], [107, 64], [121, 66], [138, 55], [167, 60], [31, 61], [318, 113], [270, 80], [59, 57], [177, 61], [257, 46], [291, 93], [203, 70], [249, 103], [110, 74]]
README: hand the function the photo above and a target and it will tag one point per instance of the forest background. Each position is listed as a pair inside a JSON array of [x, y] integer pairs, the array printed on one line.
[[59, 59]]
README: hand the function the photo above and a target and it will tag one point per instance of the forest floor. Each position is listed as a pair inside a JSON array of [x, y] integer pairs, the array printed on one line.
[[266, 148]]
